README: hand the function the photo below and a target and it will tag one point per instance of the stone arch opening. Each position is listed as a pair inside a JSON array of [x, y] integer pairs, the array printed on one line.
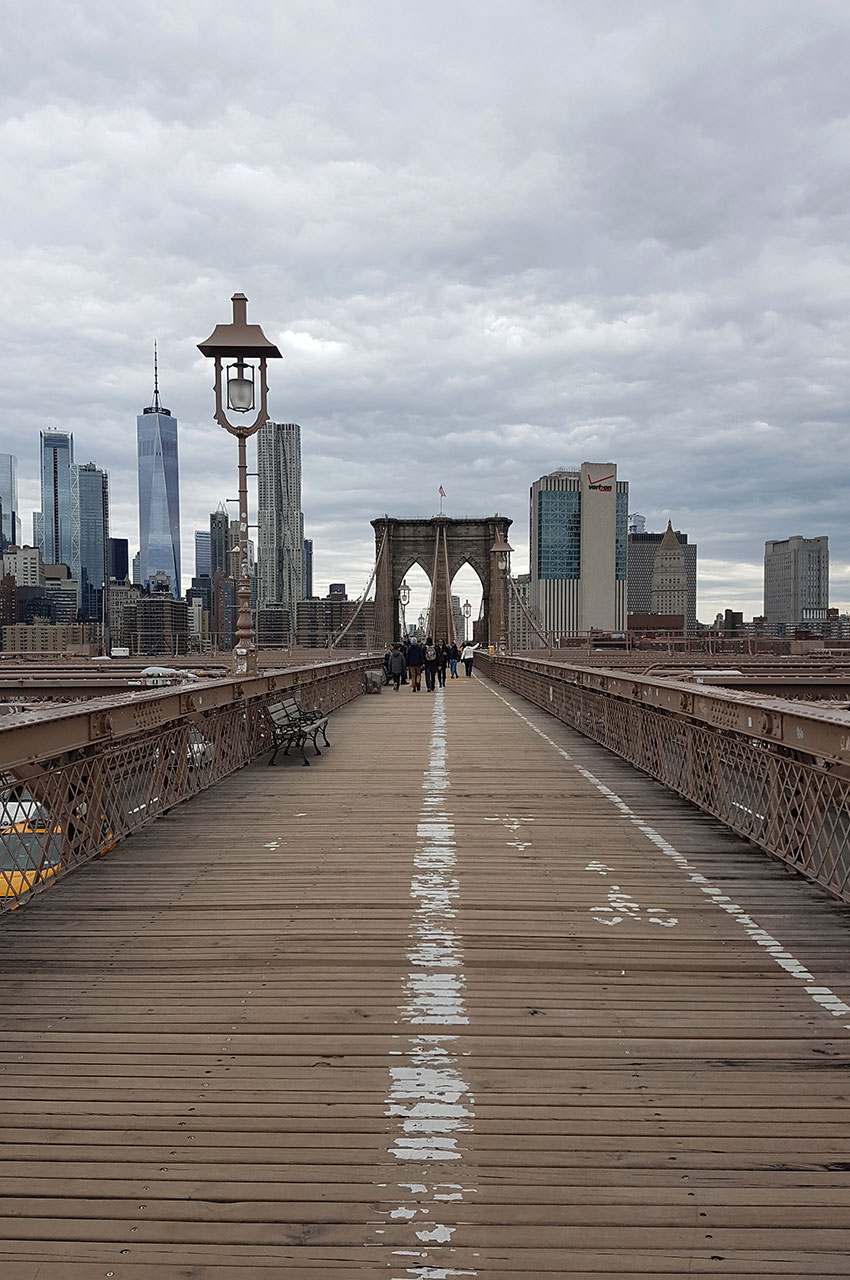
[[467, 584], [417, 578]]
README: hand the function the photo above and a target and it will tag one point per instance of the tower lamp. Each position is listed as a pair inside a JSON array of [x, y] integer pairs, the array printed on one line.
[[247, 348], [404, 597], [467, 614], [501, 553]]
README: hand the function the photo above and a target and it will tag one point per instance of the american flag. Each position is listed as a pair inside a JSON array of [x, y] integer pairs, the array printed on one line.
[[442, 492]]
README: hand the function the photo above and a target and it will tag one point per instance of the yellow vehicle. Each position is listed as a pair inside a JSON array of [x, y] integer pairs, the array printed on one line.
[[30, 845]]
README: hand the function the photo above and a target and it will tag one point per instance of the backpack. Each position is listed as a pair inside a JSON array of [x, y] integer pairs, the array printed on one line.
[[430, 653]]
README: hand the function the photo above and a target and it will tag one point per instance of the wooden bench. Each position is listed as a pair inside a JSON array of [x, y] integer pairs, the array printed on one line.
[[290, 726]]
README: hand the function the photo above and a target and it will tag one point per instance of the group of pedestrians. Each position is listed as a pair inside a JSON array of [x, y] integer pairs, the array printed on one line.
[[404, 663]]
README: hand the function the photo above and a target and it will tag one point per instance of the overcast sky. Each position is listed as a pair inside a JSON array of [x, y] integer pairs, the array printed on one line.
[[490, 238]]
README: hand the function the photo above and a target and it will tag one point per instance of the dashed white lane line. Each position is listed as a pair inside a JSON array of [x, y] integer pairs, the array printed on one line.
[[821, 995]]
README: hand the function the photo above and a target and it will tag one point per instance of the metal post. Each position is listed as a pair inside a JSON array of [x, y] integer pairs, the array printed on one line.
[[245, 654]]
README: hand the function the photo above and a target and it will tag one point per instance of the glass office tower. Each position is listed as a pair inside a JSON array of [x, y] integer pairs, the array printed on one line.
[[90, 536], [55, 526], [9, 497], [159, 495], [579, 550]]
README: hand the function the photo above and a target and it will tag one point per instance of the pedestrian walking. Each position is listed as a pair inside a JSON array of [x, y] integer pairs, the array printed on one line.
[[454, 659], [468, 655], [430, 665], [442, 663], [415, 659], [387, 670], [396, 664]]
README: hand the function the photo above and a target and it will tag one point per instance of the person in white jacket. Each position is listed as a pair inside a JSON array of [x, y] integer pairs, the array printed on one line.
[[467, 653]]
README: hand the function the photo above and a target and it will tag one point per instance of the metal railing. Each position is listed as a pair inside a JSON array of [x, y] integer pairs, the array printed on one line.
[[776, 771], [75, 779]]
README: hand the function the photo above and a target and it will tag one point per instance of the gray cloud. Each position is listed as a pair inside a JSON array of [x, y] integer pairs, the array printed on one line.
[[489, 239]]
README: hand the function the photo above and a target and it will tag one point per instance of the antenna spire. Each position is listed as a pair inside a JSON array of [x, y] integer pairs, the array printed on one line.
[[156, 404]]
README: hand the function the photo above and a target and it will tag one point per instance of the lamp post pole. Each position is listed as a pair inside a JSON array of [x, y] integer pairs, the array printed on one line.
[[501, 552], [467, 613], [245, 638], [404, 598], [243, 343]]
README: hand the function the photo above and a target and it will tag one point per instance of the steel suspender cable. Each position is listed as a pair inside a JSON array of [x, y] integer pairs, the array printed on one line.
[[362, 600]]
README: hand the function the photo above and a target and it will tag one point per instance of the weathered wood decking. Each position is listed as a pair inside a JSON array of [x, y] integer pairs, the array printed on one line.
[[440, 1006]]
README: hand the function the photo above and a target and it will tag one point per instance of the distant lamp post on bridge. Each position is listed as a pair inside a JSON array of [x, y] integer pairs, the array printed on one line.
[[467, 614], [421, 624], [404, 598], [248, 348], [501, 552]]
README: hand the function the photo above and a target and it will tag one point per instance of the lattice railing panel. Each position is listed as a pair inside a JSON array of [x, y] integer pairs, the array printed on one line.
[[795, 806], [57, 812]]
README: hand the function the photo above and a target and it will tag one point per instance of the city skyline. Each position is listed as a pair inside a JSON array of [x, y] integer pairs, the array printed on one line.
[[519, 565], [622, 253]]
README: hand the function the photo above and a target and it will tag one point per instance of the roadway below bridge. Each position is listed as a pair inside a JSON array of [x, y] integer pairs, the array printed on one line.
[[468, 997]]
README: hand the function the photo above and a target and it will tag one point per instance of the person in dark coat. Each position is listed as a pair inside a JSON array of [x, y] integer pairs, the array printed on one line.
[[387, 668], [415, 659], [396, 664], [454, 659], [442, 662]]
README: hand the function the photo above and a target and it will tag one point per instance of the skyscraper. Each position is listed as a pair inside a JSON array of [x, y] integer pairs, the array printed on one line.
[[281, 549], [578, 546], [796, 580], [9, 497], [643, 549], [219, 528], [202, 553], [159, 493], [119, 559], [90, 536], [669, 577], [307, 584], [54, 528]]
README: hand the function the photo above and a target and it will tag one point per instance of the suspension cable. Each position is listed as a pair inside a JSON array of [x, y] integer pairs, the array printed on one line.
[[362, 599], [543, 635]]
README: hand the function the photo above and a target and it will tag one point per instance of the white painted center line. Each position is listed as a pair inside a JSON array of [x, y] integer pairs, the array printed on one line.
[[820, 994], [428, 1096]]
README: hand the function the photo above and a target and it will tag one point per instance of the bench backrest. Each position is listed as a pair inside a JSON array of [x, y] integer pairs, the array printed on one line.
[[284, 712]]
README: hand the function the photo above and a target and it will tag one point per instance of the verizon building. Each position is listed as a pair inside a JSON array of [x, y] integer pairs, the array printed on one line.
[[579, 549]]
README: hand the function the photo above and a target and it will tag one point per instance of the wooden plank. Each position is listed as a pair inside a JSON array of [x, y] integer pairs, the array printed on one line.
[[207, 1022]]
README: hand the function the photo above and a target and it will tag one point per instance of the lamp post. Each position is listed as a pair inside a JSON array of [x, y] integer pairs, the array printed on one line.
[[249, 349], [467, 614], [404, 597], [421, 625], [501, 553]]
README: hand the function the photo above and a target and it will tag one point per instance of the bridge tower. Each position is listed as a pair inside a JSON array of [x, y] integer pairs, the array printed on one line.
[[441, 546]]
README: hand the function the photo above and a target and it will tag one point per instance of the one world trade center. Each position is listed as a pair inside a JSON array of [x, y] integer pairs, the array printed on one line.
[[159, 495]]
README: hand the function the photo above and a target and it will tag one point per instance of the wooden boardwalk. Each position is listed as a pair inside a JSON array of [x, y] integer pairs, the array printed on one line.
[[446, 1004]]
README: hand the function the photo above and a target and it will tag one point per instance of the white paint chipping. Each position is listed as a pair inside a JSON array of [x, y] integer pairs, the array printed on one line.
[[823, 996], [429, 1100], [622, 906]]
